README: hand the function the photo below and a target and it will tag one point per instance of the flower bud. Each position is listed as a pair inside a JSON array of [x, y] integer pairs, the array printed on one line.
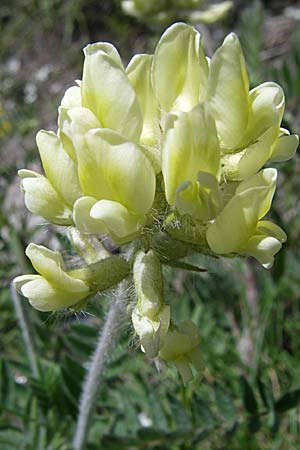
[[148, 282], [179, 73], [151, 318]]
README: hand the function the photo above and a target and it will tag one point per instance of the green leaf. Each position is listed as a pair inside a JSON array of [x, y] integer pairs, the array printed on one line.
[[80, 346], [7, 387], [118, 443], [184, 265], [179, 415], [202, 413], [278, 269], [33, 423], [274, 422], [248, 396], [149, 434], [288, 401], [87, 331], [225, 404], [266, 394], [254, 424], [72, 376], [156, 410], [11, 441]]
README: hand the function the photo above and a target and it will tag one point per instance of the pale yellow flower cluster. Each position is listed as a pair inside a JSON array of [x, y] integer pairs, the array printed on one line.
[[164, 11], [173, 138]]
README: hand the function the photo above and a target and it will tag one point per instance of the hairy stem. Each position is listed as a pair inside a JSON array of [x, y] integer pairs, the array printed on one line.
[[106, 340], [25, 331]]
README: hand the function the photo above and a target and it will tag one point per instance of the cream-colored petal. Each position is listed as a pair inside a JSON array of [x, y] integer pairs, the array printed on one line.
[[271, 229], [107, 92], [145, 329], [233, 227], [83, 221], [113, 169], [191, 146], [138, 72], [72, 97], [201, 200], [249, 161], [42, 199], [227, 91], [151, 332], [237, 222], [60, 170], [73, 123], [51, 266], [212, 13], [116, 218], [23, 279], [266, 106], [179, 73], [266, 180], [43, 296], [64, 133], [285, 148], [263, 248]]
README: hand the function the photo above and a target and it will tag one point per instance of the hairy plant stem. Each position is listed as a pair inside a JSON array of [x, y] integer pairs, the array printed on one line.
[[22, 320], [107, 337]]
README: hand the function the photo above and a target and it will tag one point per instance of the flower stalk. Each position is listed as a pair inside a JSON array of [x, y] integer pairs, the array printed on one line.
[[105, 343]]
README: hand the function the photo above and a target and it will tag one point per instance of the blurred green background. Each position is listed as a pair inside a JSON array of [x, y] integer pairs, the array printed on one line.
[[248, 395]]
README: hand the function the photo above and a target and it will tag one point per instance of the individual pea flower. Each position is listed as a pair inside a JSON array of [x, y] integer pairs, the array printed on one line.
[[239, 229], [248, 122], [118, 191], [100, 127], [53, 288], [151, 317], [191, 164], [51, 196], [182, 348], [57, 288]]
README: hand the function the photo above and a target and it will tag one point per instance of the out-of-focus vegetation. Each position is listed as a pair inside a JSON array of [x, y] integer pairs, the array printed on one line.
[[165, 11], [248, 395]]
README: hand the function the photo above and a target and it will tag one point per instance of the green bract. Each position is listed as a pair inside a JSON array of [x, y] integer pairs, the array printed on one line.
[[164, 157]]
